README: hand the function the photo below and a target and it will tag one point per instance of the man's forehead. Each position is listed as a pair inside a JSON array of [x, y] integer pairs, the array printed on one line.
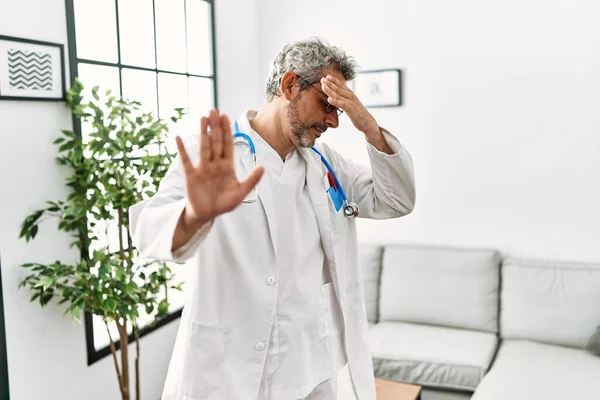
[[335, 73]]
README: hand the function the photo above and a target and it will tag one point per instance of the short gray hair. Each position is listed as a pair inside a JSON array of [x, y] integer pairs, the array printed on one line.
[[308, 58]]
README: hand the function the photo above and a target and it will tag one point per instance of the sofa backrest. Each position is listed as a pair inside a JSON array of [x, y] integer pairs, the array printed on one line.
[[370, 265], [550, 302], [440, 286]]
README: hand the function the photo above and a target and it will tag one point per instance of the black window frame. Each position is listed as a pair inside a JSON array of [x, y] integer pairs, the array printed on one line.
[[4, 388], [94, 355]]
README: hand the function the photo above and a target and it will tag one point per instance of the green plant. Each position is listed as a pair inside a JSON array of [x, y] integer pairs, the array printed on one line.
[[120, 164]]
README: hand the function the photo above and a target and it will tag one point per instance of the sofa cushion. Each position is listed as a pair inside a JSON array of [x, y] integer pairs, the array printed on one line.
[[550, 302], [440, 286], [593, 344], [525, 370], [369, 260], [431, 355]]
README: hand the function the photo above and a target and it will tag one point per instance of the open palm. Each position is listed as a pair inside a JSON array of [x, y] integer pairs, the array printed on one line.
[[212, 186]]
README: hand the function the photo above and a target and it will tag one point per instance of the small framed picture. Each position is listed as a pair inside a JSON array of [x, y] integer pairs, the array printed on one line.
[[31, 70], [379, 88]]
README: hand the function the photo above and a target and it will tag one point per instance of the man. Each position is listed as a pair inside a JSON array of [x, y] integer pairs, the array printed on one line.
[[275, 306]]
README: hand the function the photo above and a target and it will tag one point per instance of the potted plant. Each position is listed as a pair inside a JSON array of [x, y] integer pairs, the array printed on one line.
[[119, 164]]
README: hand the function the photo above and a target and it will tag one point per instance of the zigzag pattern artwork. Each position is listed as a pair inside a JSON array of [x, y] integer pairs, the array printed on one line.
[[29, 70]]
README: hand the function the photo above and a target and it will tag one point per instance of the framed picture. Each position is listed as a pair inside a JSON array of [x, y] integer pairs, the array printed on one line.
[[379, 88], [31, 70]]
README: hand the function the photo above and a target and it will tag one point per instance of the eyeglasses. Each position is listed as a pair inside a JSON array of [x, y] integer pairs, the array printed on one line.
[[329, 108]]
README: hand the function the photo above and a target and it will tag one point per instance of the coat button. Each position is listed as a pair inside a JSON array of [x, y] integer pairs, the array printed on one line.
[[260, 346], [271, 280]]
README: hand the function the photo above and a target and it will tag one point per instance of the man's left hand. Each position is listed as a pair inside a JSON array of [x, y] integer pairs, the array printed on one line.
[[342, 97]]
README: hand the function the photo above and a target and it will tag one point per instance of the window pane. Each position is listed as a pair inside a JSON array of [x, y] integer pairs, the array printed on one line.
[[96, 75], [96, 30], [173, 93], [107, 234], [176, 299], [98, 228], [136, 30], [100, 335], [170, 35], [201, 101], [183, 274], [199, 37], [140, 86]]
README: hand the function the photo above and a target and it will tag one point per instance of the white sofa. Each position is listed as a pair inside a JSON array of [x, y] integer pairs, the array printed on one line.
[[468, 324]]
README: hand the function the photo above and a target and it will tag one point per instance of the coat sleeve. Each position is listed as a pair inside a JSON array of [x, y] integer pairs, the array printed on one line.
[[153, 221], [384, 190]]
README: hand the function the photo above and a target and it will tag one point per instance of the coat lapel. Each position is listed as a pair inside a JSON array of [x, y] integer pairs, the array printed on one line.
[[265, 194], [319, 198], [263, 189]]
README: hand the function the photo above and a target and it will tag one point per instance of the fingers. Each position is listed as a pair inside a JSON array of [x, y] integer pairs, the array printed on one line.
[[205, 141], [217, 135], [335, 88], [227, 137], [251, 181], [339, 95], [217, 143], [334, 81], [331, 90], [337, 101], [185, 159]]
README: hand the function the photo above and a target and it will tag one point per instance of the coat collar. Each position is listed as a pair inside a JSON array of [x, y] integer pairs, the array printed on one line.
[[314, 181]]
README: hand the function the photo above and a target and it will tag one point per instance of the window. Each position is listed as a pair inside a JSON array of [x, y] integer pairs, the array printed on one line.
[[4, 392], [158, 52]]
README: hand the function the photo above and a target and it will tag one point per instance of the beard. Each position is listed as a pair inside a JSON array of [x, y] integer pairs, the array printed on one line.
[[301, 130]]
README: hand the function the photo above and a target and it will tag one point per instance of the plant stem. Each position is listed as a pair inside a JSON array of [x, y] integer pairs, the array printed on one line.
[[136, 332], [129, 244], [124, 341], [121, 248], [123, 327], [113, 350], [166, 286]]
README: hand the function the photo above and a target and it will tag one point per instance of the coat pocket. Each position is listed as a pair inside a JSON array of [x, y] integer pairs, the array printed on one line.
[[202, 353], [338, 221]]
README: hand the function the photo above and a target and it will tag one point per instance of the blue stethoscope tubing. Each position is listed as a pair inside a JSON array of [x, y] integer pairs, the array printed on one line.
[[350, 208], [237, 134]]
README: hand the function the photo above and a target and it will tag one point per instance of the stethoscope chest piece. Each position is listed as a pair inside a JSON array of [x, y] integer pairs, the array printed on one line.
[[351, 210]]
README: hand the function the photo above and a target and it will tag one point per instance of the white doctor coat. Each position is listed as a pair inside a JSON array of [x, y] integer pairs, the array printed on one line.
[[228, 316]]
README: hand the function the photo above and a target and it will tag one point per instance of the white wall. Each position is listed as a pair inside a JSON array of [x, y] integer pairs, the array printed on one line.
[[501, 114], [240, 81], [46, 351]]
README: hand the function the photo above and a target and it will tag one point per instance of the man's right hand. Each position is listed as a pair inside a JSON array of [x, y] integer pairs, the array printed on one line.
[[212, 186]]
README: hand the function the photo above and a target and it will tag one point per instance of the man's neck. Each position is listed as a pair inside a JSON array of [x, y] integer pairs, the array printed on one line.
[[268, 123]]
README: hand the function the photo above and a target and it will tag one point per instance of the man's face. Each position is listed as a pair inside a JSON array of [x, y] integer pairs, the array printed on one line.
[[310, 114]]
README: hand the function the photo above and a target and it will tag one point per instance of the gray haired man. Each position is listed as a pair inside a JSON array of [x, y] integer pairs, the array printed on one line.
[[275, 305]]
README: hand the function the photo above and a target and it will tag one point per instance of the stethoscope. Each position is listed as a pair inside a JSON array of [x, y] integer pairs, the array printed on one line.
[[350, 209]]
